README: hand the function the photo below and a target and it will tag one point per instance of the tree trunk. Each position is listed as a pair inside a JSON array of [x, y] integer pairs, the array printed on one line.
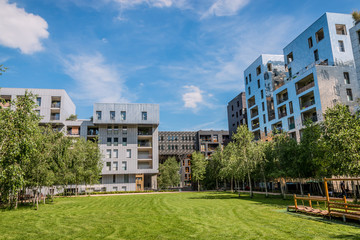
[[266, 190], [301, 187], [243, 184], [37, 199], [250, 185], [225, 184], [231, 185], [217, 185], [198, 186], [282, 189], [321, 192], [353, 186], [16, 200]]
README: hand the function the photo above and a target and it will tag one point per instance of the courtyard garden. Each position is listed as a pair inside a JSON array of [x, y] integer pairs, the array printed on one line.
[[204, 215]]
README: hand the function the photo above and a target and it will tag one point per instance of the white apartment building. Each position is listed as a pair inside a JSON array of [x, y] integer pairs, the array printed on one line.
[[127, 136], [319, 72]]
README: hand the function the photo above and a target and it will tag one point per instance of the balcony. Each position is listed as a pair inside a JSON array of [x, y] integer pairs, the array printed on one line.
[[282, 114], [73, 131], [282, 111], [205, 138], [145, 155], [307, 100], [255, 124], [305, 84], [291, 122], [282, 96], [55, 117], [55, 105], [93, 132], [309, 115], [251, 102], [291, 126], [144, 131], [144, 144], [254, 112]]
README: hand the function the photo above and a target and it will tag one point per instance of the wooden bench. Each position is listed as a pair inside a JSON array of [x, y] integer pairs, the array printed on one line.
[[345, 210]]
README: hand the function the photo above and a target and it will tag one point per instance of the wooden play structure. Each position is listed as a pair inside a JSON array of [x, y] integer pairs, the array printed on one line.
[[332, 206]]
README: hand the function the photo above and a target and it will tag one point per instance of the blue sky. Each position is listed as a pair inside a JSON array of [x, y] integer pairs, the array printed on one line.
[[186, 55]]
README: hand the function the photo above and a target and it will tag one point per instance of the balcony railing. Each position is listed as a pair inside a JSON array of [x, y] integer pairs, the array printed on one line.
[[307, 104], [306, 87], [54, 118], [144, 144], [253, 114], [251, 104], [283, 99], [55, 105], [73, 133], [144, 133], [282, 114], [255, 126], [312, 118]]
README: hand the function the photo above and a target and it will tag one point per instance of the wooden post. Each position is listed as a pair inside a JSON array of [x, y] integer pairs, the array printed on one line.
[[295, 201], [310, 204], [327, 195], [345, 205]]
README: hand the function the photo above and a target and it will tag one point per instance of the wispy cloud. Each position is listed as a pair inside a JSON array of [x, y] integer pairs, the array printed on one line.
[[19, 29], [225, 8], [95, 79]]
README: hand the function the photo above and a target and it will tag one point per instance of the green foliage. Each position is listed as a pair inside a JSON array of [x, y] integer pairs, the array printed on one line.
[[72, 117], [356, 16], [2, 69], [198, 167], [169, 173], [33, 156]]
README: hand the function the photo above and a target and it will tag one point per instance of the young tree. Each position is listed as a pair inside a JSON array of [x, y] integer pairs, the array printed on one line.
[[214, 166], [169, 173], [198, 167]]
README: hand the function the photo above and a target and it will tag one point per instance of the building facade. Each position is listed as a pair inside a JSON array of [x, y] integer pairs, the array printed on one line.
[[127, 135], [182, 144], [236, 110], [179, 145], [319, 73], [355, 42]]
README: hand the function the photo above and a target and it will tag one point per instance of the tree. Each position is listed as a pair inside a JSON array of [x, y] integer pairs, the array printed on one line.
[[214, 166], [169, 173], [198, 167], [356, 16], [2, 69]]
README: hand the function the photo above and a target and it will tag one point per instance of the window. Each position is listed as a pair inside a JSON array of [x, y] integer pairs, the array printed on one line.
[[38, 101], [250, 77], [290, 57], [269, 67], [116, 141], [319, 35], [114, 178], [128, 152], [263, 106], [123, 115], [126, 179], [264, 117], [316, 55], [262, 94], [341, 46], [340, 29], [358, 33], [265, 130], [290, 73], [98, 115], [187, 169], [112, 115], [115, 166], [310, 42], [108, 166], [238, 103], [291, 107], [346, 77], [108, 142], [143, 115], [176, 147], [116, 153], [124, 141], [176, 138], [108, 153], [124, 130], [258, 70], [109, 130], [169, 147], [246, 80], [249, 91], [232, 107], [258, 82], [349, 94], [124, 165], [116, 130]]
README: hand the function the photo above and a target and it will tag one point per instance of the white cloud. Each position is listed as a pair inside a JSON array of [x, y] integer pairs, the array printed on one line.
[[19, 29], [192, 97], [225, 7], [152, 3], [95, 79]]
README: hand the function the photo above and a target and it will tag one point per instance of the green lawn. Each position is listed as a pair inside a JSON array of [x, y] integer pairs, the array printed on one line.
[[169, 216]]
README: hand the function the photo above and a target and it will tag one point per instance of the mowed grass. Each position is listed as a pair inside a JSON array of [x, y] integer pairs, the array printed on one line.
[[208, 215]]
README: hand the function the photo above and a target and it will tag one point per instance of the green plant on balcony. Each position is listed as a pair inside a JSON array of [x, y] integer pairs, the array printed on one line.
[[72, 117], [356, 16]]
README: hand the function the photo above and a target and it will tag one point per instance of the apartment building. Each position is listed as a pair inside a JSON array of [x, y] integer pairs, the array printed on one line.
[[355, 42], [319, 73], [210, 140], [236, 110], [179, 145], [127, 135]]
